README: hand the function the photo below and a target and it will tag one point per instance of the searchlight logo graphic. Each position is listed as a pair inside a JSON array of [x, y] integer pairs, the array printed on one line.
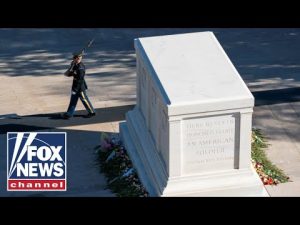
[[36, 161]]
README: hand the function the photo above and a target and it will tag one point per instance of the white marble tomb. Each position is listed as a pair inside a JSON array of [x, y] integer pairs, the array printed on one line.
[[190, 131]]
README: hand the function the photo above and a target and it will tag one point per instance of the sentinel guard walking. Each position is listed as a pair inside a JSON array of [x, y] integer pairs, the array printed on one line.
[[79, 87]]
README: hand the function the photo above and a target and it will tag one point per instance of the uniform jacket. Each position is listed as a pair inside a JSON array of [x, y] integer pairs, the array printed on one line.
[[78, 74]]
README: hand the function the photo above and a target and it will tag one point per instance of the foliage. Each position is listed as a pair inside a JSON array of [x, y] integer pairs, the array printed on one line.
[[266, 170], [114, 162]]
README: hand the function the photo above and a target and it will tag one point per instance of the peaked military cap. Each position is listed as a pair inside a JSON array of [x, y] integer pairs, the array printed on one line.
[[77, 54]]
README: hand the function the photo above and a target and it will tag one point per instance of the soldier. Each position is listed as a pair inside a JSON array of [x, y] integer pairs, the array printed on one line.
[[79, 87]]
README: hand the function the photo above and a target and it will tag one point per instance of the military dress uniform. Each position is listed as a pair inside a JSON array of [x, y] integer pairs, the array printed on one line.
[[79, 88]]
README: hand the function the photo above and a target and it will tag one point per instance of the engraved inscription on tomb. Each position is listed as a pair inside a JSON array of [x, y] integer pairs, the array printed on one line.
[[208, 143]]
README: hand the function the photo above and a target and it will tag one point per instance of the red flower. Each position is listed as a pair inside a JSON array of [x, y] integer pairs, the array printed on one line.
[[270, 181]]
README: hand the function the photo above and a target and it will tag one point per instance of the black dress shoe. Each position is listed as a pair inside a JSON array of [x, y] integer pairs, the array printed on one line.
[[90, 115], [65, 116]]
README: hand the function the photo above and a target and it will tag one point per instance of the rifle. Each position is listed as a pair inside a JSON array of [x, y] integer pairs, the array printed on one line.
[[67, 73], [87, 46]]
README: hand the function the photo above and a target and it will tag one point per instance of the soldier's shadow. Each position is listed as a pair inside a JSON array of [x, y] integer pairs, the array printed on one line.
[[13, 122], [55, 116], [59, 116]]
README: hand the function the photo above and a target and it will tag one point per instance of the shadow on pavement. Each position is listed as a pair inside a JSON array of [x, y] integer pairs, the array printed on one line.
[[11, 127], [271, 97], [53, 120]]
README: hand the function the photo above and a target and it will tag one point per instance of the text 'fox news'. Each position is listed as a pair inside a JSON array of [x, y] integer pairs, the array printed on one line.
[[36, 161]]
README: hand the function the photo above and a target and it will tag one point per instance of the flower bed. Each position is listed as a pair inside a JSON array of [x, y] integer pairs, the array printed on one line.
[[114, 162]]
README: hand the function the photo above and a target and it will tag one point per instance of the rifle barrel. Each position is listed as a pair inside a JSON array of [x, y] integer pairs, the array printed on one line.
[[88, 45]]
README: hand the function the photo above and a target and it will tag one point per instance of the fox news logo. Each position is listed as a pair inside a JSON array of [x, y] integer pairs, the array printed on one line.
[[36, 161]]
